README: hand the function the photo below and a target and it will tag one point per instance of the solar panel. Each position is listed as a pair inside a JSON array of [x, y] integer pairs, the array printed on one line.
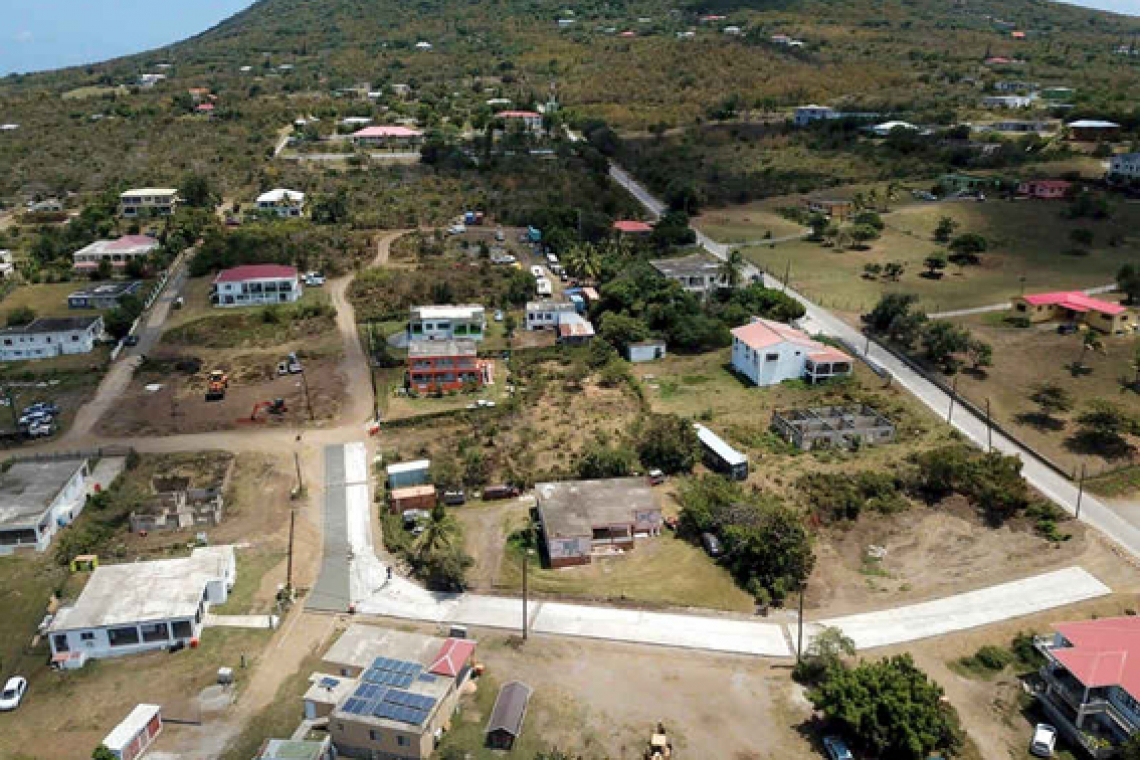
[[427, 678], [405, 681], [355, 706], [418, 717]]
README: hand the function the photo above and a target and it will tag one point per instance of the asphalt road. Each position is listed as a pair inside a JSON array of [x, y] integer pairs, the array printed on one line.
[[1054, 486]]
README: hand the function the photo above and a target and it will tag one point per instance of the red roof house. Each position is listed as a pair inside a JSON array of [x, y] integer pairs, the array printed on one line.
[[386, 135], [1074, 306], [768, 352], [256, 285], [632, 227], [1045, 189]]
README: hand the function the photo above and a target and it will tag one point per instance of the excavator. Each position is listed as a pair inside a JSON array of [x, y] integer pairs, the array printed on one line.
[[216, 385], [276, 406]]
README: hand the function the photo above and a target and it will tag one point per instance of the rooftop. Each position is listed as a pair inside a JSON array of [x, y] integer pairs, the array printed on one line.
[[108, 289], [390, 131], [1101, 652], [126, 244], [426, 349], [52, 325], [411, 492], [549, 305], [124, 734], [519, 114], [281, 194], [146, 191], [257, 272], [510, 708], [459, 311], [1093, 124], [289, 749], [574, 507], [360, 645], [27, 489], [329, 689], [697, 263], [763, 333], [1075, 301], [137, 592], [731, 456], [632, 226], [574, 326], [452, 657], [413, 466]]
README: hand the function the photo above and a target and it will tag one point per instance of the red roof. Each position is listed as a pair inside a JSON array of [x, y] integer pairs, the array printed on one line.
[[519, 114], [453, 655], [1101, 652], [762, 333], [627, 225], [628, 34], [206, 107], [1075, 301], [130, 241], [256, 272], [387, 132]]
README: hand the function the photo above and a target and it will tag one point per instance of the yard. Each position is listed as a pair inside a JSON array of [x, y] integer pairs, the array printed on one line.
[[396, 406], [47, 300], [68, 381], [1028, 242]]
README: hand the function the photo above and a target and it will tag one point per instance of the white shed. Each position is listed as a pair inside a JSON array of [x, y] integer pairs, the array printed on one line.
[[645, 351], [133, 737]]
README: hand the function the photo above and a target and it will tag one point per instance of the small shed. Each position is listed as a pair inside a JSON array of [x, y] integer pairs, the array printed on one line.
[[645, 351], [131, 738], [405, 474], [411, 497], [508, 714]]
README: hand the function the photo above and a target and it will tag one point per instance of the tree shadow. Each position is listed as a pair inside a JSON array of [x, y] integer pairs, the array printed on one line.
[[1076, 369], [978, 373], [930, 275], [1040, 421], [1103, 445]]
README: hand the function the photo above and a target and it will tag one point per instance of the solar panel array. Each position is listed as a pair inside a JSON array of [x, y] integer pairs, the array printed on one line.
[[395, 673], [381, 693]]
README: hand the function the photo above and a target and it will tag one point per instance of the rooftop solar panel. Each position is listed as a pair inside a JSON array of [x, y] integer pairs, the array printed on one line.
[[427, 678], [354, 706]]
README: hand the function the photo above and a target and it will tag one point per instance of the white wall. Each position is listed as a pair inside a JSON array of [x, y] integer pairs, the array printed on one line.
[[755, 367]]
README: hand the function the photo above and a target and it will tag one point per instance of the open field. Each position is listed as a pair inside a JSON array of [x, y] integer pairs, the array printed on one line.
[[1027, 239], [747, 223], [1024, 357], [47, 300]]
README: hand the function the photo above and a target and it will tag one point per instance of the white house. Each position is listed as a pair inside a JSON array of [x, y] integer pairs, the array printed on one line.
[[142, 606], [48, 337], [256, 285], [160, 201], [768, 353], [7, 266], [531, 120], [37, 499], [885, 129], [386, 137], [447, 322], [146, 81], [118, 252], [548, 314], [1008, 101], [698, 273], [807, 114], [645, 351], [1124, 166], [282, 202]]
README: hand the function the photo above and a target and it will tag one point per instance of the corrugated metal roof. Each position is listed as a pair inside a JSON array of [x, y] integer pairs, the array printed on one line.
[[510, 708]]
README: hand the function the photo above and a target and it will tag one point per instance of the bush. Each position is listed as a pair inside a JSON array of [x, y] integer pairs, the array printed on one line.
[[840, 496], [21, 315], [667, 442]]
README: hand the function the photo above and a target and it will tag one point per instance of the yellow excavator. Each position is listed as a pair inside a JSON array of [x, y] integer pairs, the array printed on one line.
[[216, 385]]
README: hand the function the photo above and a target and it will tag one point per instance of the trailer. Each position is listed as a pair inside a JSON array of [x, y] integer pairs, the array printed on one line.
[[719, 456]]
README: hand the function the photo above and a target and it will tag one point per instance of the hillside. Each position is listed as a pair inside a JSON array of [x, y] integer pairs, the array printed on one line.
[[889, 55]]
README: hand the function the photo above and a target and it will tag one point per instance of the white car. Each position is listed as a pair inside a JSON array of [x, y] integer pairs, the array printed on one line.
[[499, 315], [314, 279], [457, 229], [1044, 738], [537, 272], [13, 693]]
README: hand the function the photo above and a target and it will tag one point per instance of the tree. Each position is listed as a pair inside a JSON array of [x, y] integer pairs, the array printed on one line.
[[102, 752], [869, 218], [668, 443], [21, 315], [445, 473], [967, 248], [934, 264], [943, 339], [872, 271], [1081, 237], [600, 460], [945, 229], [1130, 749], [890, 707], [195, 191], [861, 234], [894, 270], [1128, 281], [732, 269], [1090, 341], [826, 651], [891, 310], [331, 209], [1102, 429], [1051, 399], [619, 330], [103, 271], [681, 196], [437, 553], [980, 353], [584, 261], [818, 224]]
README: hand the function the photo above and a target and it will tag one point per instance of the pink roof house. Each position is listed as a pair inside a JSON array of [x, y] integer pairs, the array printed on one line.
[[387, 135], [768, 353], [632, 227], [1075, 306], [1045, 189], [118, 252]]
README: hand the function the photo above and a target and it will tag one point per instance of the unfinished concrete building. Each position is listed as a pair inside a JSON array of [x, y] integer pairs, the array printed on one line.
[[176, 506], [833, 426]]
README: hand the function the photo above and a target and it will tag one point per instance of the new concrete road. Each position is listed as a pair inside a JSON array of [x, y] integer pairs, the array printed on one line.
[[1056, 487], [352, 575]]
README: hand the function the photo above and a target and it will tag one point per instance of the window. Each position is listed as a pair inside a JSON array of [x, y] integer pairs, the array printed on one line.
[[374, 735], [155, 632], [773, 357], [75, 338], [121, 637], [87, 636], [182, 629], [60, 640], [403, 741]]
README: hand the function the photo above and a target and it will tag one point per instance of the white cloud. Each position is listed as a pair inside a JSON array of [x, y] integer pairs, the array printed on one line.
[[25, 36]]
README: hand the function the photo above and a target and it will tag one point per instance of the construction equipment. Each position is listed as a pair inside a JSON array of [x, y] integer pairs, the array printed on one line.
[[659, 744], [216, 385], [276, 406], [289, 366]]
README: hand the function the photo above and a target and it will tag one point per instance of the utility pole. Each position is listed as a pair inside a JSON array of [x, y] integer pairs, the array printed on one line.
[[953, 398], [867, 347], [1081, 489], [305, 387], [289, 561], [372, 372], [300, 480], [525, 562], [800, 626], [989, 429], [787, 275]]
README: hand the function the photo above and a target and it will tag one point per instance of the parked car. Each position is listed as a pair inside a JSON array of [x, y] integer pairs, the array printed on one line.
[[712, 544], [314, 279], [13, 693], [498, 315], [454, 498], [456, 229], [414, 520], [1067, 328], [131, 340], [1043, 741], [836, 748], [491, 493], [42, 406], [656, 477]]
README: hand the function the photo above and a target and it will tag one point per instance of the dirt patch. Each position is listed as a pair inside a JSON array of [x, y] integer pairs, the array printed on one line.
[[179, 406], [931, 552]]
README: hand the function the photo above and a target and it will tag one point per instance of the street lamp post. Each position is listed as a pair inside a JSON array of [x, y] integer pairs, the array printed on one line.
[[525, 568], [1080, 490], [989, 429], [953, 398]]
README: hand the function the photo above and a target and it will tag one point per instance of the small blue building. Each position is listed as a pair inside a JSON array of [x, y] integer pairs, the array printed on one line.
[[405, 474]]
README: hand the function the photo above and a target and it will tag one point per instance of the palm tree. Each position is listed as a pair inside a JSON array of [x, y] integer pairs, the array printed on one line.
[[732, 270], [1090, 341], [439, 535], [584, 262]]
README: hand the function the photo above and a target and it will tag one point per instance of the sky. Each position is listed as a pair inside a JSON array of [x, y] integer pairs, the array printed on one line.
[[51, 34]]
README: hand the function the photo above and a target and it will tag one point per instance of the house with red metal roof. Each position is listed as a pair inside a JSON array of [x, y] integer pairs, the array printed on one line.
[[1045, 189], [256, 285], [768, 353], [1076, 307], [632, 228], [1091, 682], [530, 120]]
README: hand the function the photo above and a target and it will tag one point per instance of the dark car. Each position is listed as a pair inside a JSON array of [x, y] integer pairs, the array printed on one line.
[[454, 498], [491, 493], [1067, 328], [131, 340], [712, 544]]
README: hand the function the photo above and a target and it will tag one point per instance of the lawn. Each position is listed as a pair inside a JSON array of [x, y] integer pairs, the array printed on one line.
[[26, 585], [47, 300], [1027, 239], [310, 323], [468, 729], [399, 407]]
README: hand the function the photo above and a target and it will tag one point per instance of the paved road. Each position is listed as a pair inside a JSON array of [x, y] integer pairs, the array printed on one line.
[[1006, 305], [1054, 486]]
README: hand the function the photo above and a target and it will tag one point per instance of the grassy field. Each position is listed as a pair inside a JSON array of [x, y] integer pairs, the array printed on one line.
[[1025, 357], [468, 729], [1027, 239], [47, 300]]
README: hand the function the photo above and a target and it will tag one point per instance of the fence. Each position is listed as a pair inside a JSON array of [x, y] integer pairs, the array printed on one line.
[[61, 456]]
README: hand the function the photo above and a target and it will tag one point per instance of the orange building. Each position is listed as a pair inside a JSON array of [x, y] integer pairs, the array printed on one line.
[[444, 365]]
